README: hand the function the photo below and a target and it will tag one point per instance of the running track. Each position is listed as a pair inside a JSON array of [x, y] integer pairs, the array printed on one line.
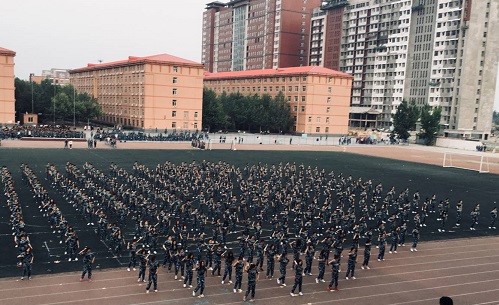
[[465, 269]]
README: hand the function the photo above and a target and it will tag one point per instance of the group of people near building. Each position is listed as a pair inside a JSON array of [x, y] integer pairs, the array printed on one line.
[[40, 131], [201, 218], [172, 136]]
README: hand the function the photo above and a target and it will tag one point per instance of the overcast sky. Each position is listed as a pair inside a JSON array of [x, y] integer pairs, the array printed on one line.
[[68, 34]]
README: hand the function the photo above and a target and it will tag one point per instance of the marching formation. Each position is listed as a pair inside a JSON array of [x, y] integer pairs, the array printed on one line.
[[215, 219]]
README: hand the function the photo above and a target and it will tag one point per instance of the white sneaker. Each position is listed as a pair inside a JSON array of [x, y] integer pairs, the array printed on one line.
[[354, 278], [69, 260], [317, 280], [412, 250], [201, 296], [394, 251], [292, 294], [193, 294], [185, 285], [389, 251], [239, 290], [283, 284], [134, 269], [235, 290], [147, 291], [415, 249], [346, 278], [128, 269], [278, 282], [230, 282], [300, 293], [155, 290], [176, 277], [323, 281], [223, 282], [76, 259], [362, 267], [367, 267]]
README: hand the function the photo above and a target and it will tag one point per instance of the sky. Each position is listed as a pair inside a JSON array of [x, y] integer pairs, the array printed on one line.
[[68, 34]]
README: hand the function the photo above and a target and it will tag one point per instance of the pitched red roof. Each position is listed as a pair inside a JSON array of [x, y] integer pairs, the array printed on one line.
[[306, 70], [132, 60], [4, 51]]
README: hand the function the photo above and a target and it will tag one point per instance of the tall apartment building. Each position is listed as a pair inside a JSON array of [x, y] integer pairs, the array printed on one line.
[[7, 89], [256, 34], [56, 76], [436, 52], [160, 91], [319, 98], [454, 55]]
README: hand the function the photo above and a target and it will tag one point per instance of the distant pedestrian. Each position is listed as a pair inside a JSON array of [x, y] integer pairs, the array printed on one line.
[[252, 271], [88, 260], [201, 275], [153, 273]]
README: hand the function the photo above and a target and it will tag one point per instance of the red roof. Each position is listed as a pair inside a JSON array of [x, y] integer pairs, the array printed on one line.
[[132, 60], [4, 51], [306, 70]]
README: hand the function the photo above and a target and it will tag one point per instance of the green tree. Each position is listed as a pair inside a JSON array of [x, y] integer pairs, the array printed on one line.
[[404, 120], [430, 124], [495, 117]]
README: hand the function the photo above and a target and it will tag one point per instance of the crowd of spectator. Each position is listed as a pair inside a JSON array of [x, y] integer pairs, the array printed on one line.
[[124, 136], [40, 131]]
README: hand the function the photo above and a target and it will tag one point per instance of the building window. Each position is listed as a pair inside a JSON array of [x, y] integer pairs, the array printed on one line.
[[304, 88], [175, 69], [296, 98], [174, 113], [317, 129], [329, 89], [290, 88], [174, 124], [302, 108], [174, 92], [295, 108], [296, 88], [327, 129], [303, 99], [195, 114], [318, 120], [327, 121], [329, 99], [196, 126], [186, 115], [328, 109], [186, 125], [174, 103], [309, 119], [175, 80]]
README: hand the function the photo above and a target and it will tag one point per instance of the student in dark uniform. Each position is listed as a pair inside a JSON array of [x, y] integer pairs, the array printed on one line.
[[252, 271], [88, 260], [283, 263], [415, 239], [189, 265], [142, 255], [335, 273], [271, 252], [229, 259], [298, 278], [322, 260], [459, 212], [153, 273], [27, 260], [132, 248], [239, 268], [352, 261], [493, 218], [382, 247], [367, 255], [201, 275]]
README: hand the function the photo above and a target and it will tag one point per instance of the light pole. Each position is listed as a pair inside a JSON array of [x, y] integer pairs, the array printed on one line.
[[32, 99], [74, 107]]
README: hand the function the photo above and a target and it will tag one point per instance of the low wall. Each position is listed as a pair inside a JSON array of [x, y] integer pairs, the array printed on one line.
[[457, 144]]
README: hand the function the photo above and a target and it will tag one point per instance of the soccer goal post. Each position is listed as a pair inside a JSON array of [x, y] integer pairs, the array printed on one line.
[[474, 162]]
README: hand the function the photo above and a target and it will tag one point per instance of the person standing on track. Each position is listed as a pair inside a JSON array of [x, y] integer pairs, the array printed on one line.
[[27, 260], [367, 255], [322, 266], [298, 278], [493, 218], [352, 261], [382, 247], [189, 265], [201, 274], [229, 259], [252, 271], [415, 239], [239, 267], [88, 260], [153, 273], [283, 263], [335, 273]]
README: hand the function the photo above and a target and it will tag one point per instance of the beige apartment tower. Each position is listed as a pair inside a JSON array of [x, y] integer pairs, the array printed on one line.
[[159, 91], [319, 97], [7, 89]]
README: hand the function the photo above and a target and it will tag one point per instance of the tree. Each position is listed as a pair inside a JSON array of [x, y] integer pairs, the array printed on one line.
[[495, 117], [404, 120], [430, 124]]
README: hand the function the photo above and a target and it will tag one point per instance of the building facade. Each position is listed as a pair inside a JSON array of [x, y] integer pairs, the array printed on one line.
[[159, 91], [454, 62], [7, 89], [256, 34], [319, 98], [435, 52], [56, 76]]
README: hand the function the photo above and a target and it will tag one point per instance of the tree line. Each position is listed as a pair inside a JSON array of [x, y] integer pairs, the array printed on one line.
[[408, 114], [53, 102], [251, 113]]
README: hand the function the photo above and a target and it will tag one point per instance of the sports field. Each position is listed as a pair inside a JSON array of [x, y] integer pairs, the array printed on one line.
[[455, 184]]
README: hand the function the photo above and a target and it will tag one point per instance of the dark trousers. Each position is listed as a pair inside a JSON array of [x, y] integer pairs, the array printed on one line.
[[298, 283], [87, 268], [153, 278], [251, 289]]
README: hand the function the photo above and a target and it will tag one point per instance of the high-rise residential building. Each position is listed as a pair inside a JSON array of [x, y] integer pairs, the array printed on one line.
[[454, 55], [319, 98], [7, 89], [160, 91], [256, 34], [56, 76], [436, 52]]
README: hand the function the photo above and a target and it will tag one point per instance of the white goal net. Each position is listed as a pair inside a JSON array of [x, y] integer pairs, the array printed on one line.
[[474, 162]]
